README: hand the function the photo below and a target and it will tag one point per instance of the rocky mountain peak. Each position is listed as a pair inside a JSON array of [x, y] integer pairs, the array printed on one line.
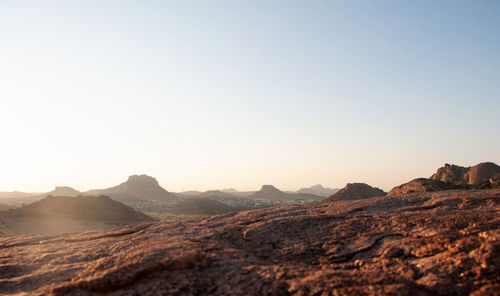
[[481, 172], [455, 174], [318, 187], [450, 173], [142, 180], [353, 191], [64, 191], [269, 189]]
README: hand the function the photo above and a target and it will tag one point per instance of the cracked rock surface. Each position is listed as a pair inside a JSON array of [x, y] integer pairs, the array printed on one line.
[[418, 244]]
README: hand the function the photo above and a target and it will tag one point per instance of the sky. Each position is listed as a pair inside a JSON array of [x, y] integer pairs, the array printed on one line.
[[218, 94]]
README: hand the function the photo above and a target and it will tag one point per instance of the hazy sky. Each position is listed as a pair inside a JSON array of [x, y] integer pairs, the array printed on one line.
[[215, 94]]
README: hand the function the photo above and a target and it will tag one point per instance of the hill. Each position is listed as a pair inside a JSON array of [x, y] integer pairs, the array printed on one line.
[[437, 243], [137, 188], [269, 192], [63, 191], [16, 194], [4, 207], [215, 194], [419, 185], [18, 199], [64, 213], [450, 177], [355, 191], [188, 193], [318, 190], [474, 175]]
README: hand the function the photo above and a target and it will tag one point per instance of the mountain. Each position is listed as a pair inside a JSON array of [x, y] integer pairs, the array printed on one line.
[[71, 213], [355, 191], [137, 188], [269, 192], [318, 190], [63, 191], [438, 243], [467, 175]]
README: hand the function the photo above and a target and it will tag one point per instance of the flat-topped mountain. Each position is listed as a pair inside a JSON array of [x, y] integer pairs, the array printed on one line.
[[354, 191], [71, 213], [269, 192], [318, 190], [63, 191], [137, 188]]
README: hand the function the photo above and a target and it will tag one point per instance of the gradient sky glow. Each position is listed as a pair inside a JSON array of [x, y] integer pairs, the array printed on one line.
[[216, 94]]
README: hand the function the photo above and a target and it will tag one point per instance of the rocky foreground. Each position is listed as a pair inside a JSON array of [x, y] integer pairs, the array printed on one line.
[[418, 244]]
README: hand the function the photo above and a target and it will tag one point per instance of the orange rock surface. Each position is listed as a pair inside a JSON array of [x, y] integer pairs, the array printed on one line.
[[418, 244]]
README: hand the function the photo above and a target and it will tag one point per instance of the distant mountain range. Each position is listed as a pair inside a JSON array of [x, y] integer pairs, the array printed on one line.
[[144, 189], [137, 188], [318, 190], [66, 209], [269, 192]]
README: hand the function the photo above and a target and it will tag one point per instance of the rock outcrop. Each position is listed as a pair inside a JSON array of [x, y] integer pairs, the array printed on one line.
[[451, 177], [482, 172], [354, 191], [450, 173], [466, 175], [434, 243], [418, 185]]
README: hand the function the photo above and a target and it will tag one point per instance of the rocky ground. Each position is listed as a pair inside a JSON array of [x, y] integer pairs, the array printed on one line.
[[419, 244]]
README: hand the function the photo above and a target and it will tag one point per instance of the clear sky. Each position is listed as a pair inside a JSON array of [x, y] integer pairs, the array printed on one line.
[[216, 94]]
